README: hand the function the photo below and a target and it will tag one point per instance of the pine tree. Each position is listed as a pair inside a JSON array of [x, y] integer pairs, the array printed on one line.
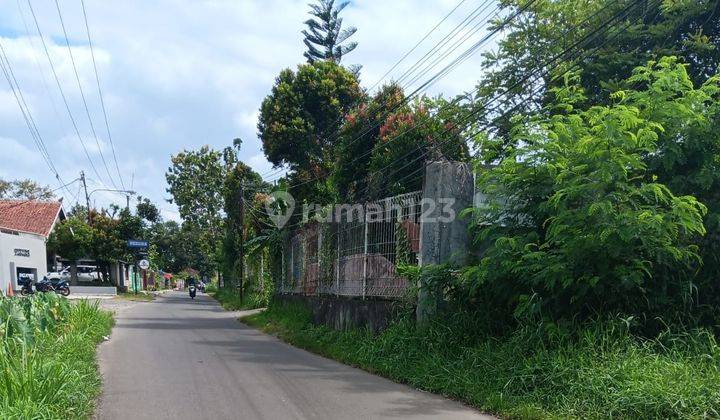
[[325, 34]]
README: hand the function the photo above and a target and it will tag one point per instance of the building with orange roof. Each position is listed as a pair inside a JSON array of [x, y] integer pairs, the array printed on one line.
[[24, 229]]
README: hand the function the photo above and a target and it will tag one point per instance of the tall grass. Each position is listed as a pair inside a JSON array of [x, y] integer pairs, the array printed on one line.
[[599, 371], [230, 299], [47, 356]]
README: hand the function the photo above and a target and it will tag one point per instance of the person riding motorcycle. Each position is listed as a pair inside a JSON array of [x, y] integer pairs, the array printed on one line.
[[192, 288]]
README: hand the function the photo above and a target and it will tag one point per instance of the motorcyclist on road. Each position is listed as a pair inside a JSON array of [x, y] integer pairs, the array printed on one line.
[[192, 288]]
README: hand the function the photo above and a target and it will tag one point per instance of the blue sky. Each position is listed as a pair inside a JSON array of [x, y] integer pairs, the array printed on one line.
[[179, 74]]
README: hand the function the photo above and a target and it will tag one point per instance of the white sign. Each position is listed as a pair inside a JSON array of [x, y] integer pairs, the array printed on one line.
[[144, 264]]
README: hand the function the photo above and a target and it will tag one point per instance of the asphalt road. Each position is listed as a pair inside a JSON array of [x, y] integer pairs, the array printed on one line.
[[174, 358]]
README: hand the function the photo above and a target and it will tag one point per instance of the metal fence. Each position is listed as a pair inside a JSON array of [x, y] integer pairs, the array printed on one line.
[[357, 253]]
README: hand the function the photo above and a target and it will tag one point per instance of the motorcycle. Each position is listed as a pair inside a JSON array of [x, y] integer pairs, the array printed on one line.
[[59, 286], [192, 292]]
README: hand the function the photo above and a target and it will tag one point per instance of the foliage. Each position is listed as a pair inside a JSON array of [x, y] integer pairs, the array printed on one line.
[[324, 32], [539, 371], [195, 182], [167, 237], [196, 179], [426, 130], [358, 136], [147, 210], [577, 222], [231, 300], [47, 356], [300, 119], [72, 239], [687, 158], [242, 185], [25, 189], [649, 30]]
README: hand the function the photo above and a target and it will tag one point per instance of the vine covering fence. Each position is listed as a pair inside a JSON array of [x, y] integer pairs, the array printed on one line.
[[356, 254]]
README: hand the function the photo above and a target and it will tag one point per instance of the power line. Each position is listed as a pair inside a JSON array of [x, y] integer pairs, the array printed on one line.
[[603, 27], [82, 94], [100, 93], [477, 12], [416, 45], [62, 93], [37, 63], [9, 74], [447, 69]]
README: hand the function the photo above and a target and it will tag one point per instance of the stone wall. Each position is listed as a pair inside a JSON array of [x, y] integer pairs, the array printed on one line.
[[346, 313]]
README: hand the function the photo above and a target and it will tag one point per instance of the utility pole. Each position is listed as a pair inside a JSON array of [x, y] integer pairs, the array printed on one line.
[[87, 197], [242, 240], [127, 202]]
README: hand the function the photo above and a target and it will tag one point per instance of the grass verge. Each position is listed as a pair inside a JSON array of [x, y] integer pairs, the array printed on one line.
[[136, 297], [48, 365], [600, 372], [230, 299]]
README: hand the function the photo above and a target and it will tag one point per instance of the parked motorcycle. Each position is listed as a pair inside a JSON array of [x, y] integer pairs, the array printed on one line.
[[59, 286], [193, 291], [25, 286]]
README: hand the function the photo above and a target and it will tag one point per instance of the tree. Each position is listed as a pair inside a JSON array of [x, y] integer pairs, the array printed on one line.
[[358, 136], [300, 119], [687, 158], [25, 189], [324, 32], [429, 129], [71, 239], [576, 222], [106, 246], [646, 30], [147, 210], [242, 184], [196, 180]]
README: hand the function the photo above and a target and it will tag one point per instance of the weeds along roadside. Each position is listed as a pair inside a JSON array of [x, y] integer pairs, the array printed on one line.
[[231, 300], [48, 366], [601, 370]]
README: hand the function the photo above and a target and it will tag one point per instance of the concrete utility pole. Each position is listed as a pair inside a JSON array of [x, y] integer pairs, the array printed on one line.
[[444, 237], [87, 197], [242, 239]]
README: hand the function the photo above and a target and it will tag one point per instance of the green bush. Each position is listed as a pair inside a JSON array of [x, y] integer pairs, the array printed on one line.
[[542, 371], [230, 299], [47, 356], [577, 223]]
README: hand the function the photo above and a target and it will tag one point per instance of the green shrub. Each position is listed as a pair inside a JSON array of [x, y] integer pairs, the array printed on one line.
[[230, 299], [47, 356], [542, 371], [576, 221]]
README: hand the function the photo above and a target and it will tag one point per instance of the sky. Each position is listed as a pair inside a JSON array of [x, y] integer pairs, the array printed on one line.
[[182, 74]]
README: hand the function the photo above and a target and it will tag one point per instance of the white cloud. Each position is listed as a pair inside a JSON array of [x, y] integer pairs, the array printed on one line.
[[181, 74], [15, 153]]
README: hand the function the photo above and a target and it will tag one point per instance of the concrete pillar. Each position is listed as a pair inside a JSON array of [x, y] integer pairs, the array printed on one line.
[[448, 189]]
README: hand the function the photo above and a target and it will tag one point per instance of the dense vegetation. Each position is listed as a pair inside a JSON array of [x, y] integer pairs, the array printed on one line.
[[531, 372], [597, 249], [47, 356], [103, 234]]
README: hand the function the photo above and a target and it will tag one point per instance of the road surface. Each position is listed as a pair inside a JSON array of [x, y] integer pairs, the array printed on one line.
[[174, 358]]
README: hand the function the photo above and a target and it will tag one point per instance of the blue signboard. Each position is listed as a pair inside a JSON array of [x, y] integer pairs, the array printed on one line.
[[136, 244]]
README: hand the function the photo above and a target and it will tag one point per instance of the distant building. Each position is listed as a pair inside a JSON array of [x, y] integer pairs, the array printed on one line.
[[24, 228]]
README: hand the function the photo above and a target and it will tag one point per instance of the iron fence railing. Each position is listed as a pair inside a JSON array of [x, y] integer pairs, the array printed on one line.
[[356, 254]]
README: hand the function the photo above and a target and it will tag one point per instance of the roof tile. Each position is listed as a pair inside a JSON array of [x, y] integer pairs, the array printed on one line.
[[31, 216]]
